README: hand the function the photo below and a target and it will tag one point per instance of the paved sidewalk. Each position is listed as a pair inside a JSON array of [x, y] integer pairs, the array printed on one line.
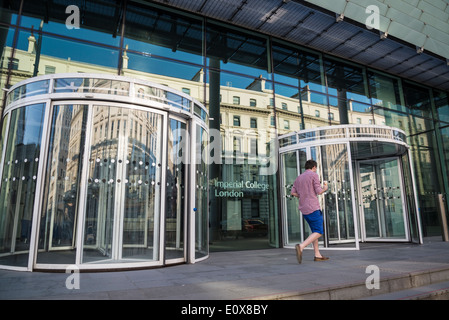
[[245, 275]]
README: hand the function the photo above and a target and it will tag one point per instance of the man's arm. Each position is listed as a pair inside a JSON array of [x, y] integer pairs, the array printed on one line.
[[324, 189], [317, 186]]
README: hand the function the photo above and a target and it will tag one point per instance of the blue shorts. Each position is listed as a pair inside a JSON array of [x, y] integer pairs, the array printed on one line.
[[315, 221]]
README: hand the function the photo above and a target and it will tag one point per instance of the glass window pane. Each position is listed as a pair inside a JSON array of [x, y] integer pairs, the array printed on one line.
[[98, 21], [417, 100], [385, 91], [345, 79], [163, 71], [287, 99], [6, 40], [29, 90], [84, 85], [8, 12], [65, 55], [245, 181], [154, 32], [237, 51], [292, 65], [442, 105], [346, 83]]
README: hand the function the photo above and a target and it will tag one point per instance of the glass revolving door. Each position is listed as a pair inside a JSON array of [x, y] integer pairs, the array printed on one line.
[[103, 182], [123, 186], [356, 161], [94, 181], [383, 208]]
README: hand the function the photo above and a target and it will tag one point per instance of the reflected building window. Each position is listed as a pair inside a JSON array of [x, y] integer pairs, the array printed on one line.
[[253, 123], [13, 63], [237, 121], [237, 145], [50, 70], [252, 102], [254, 147]]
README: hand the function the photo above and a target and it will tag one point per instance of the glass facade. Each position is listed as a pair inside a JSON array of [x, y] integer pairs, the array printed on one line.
[[99, 182], [255, 88]]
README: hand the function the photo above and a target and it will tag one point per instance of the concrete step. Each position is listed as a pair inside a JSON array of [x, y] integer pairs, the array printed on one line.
[[436, 291], [415, 285]]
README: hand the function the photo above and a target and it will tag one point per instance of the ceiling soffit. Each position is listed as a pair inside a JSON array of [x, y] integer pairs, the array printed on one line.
[[313, 27]]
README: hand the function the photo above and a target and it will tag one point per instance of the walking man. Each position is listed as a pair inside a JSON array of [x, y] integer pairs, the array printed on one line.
[[307, 187]]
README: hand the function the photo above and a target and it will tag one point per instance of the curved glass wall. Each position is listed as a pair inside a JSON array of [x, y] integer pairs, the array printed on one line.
[[371, 196], [95, 173]]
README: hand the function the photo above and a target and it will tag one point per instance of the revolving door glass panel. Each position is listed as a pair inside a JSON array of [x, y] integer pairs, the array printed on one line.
[[175, 195], [410, 200], [338, 200], [383, 208], [124, 184], [201, 194], [57, 228], [19, 180], [290, 162]]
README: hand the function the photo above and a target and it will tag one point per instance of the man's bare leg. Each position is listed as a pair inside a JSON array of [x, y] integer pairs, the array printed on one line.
[[313, 238], [316, 249]]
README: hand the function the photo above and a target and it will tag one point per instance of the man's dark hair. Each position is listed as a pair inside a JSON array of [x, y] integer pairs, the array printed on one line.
[[310, 164]]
